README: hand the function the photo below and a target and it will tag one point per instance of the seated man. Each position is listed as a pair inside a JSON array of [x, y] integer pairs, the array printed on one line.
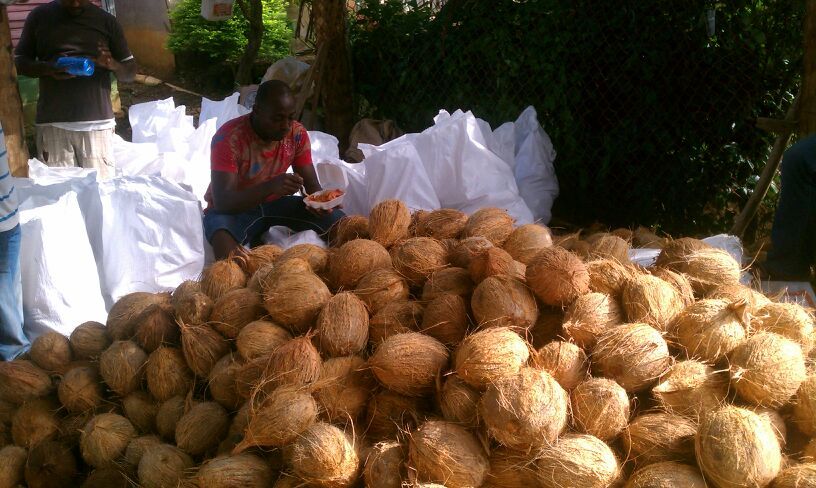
[[250, 189]]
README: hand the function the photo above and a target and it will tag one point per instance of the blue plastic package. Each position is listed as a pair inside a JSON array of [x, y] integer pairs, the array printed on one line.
[[76, 66]]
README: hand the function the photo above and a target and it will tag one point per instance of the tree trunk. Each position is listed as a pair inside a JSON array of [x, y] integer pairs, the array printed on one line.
[[807, 118], [11, 106], [253, 11]]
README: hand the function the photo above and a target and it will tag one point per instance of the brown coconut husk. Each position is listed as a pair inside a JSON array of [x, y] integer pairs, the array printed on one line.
[[389, 415], [610, 247], [658, 437], [202, 347], [446, 452], [416, 218], [222, 383], [22, 380], [667, 475], [395, 318], [446, 320], [51, 351], [804, 406], [388, 222], [547, 328], [680, 283], [511, 469], [676, 250], [185, 288], [355, 259], [445, 223], [137, 448], [89, 340], [260, 338], [324, 456], [122, 323], [767, 369], [342, 325], [417, 258], [7, 411], [162, 466], [790, 320], [578, 460], [12, 466], [381, 287], [489, 355], [122, 366], [347, 229], [141, 410], [600, 407], [691, 388], [643, 237], [35, 422], [455, 281], [565, 361], [736, 447], [105, 438], [495, 261], [280, 419], [71, 427], [710, 329], [261, 279], [295, 300], [344, 388], [495, 224], [201, 428], [409, 363], [773, 417], [709, 269], [566, 241], [590, 316], [50, 465], [234, 310], [581, 249], [522, 410], [466, 249], [798, 476], [526, 241], [809, 452], [458, 402], [501, 301], [221, 277], [608, 276], [650, 300], [167, 373], [157, 327], [168, 415], [260, 256], [384, 465], [557, 277], [246, 470], [316, 256], [634, 355], [739, 293], [296, 363], [626, 234], [80, 389], [192, 308]]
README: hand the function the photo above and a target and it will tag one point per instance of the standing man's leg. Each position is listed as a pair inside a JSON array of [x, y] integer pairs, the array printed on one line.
[[54, 147], [13, 340], [94, 149]]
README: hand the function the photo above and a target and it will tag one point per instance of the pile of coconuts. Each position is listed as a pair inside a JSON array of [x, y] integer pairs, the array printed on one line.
[[431, 349]]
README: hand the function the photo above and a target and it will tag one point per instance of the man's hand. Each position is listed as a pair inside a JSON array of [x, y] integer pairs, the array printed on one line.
[[286, 184], [60, 73], [105, 59]]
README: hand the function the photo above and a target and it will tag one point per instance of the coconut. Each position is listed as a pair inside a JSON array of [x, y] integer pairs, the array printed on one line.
[[294, 300], [349, 228], [565, 361], [71, 427], [610, 247], [384, 466], [455, 281], [511, 469], [658, 437], [202, 347], [547, 328], [501, 301], [388, 222], [566, 241], [34, 422], [390, 414], [494, 261], [167, 373], [736, 447], [446, 452], [590, 316], [775, 419], [185, 288], [243, 470], [122, 367], [626, 234], [582, 249], [789, 320], [80, 389], [168, 415], [323, 456], [608, 276], [767, 369], [492, 223], [600, 407], [644, 237], [458, 402], [709, 269], [122, 318], [141, 410], [804, 406], [50, 464], [799, 476], [466, 249], [445, 223], [650, 300], [355, 259], [107, 477], [344, 388], [691, 388], [709, 329], [296, 363], [105, 438], [89, 340], [675, 251], [634, 355], [680, 283], [260, 338], [343, 325], [417, 258], [201, 428], [667, 475], [446, 319], [157, 327], [316, 256], [577, 460], [381, 287], [234, 310], [409, 363], [192, 308], [136, 449], [278, 421], [221, 277], [12, 466], [22, 380], [738, 293], [557, 276], [222, 383], [51, 351], [261, 256], [395, 318], [162, 466], [522, 410], [526, 241], [488, 355]]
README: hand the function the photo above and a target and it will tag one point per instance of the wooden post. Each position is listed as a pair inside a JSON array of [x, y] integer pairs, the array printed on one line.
[[807, 119], [11, 106]]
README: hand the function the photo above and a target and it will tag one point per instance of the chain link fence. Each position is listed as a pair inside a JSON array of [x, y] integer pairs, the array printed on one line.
[[650, 105]]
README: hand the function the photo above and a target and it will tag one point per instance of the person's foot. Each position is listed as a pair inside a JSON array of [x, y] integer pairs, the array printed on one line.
[[764, 273]]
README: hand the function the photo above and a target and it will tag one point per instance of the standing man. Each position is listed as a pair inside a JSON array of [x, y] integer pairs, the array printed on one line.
[[251, 190], [75, 121]]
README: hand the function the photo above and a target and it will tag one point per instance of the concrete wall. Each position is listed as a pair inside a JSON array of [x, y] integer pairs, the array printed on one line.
[[146, 27]]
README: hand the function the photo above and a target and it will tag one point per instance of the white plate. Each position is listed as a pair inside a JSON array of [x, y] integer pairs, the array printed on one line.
[[324, 205]]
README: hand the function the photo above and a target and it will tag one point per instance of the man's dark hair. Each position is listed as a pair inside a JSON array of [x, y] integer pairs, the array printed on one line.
[[272, 90]]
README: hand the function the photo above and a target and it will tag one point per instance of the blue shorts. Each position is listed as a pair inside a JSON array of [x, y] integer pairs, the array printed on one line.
[[248, 227]]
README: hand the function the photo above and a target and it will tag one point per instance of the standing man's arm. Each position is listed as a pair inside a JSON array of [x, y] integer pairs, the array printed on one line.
[[116, 56], [25, 55]]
